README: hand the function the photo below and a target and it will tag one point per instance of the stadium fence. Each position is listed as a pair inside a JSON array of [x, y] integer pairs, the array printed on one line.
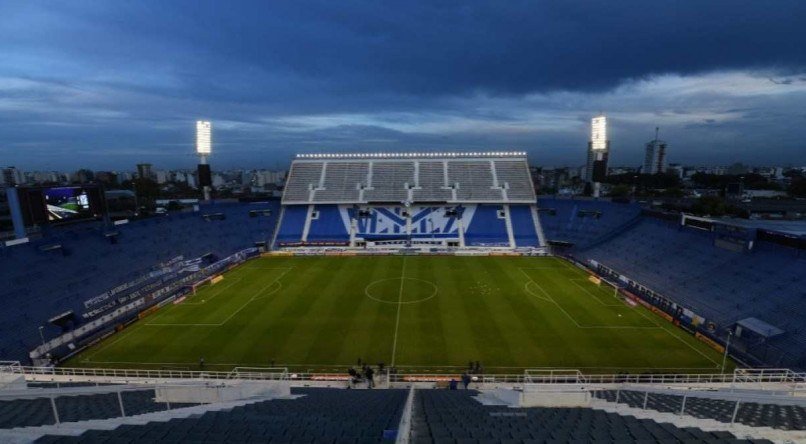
[[531, 376]]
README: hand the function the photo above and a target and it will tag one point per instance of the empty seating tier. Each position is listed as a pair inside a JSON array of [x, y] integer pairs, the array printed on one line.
[[454, 416], [73, 408], [785, 417], [493, 180], [320, 415], [37, 284]]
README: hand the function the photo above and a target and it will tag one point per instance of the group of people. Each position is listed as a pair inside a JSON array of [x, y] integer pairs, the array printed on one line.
[[473, 368], [365, 372]]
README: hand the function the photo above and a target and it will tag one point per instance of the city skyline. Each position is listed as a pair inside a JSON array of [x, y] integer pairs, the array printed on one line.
[[108, 85]]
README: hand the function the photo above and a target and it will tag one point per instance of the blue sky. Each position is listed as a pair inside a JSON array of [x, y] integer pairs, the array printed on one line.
[[107, 84]]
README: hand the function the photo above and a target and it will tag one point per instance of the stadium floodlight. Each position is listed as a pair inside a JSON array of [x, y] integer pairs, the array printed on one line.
[[203, 137], [599, 133]]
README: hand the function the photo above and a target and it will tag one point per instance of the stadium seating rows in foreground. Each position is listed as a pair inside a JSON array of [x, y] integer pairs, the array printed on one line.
[[438, 416], [71, 408], [448, 416], [784, 417], [321, 415]]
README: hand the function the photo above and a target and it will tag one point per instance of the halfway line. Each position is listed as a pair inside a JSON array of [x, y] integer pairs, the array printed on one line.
[[399, 305]]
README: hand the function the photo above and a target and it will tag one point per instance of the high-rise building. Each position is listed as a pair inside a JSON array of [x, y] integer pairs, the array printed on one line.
[[598, 153], [12, 176], [655, 157], [162, 176], [144, 171]]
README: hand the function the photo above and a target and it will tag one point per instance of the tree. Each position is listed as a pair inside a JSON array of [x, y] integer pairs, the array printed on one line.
[[797, 188], [645, 181], [620, 191], [709, 206], [673, 192], [147, 190]]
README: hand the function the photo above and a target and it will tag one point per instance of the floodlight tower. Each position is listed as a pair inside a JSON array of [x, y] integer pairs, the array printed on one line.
[[204, 145], [598, 152]]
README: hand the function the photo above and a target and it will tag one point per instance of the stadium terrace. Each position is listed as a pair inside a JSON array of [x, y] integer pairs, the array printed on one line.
[[473, 308]]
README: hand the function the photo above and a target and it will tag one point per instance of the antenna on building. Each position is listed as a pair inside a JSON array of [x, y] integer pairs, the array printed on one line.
[[657, 130]]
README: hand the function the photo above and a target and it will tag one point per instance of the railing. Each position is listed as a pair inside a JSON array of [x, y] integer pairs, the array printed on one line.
[[769, 375], [675, 401], [271, 373], [748, 378], [10, 366], [447, 377], [553, 376], [253, 373]]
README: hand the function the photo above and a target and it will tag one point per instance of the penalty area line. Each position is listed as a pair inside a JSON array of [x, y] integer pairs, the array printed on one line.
[[578, 325], [253, 298]]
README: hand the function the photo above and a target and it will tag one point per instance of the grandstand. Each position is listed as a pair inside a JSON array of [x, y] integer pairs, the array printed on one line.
[[432, 200], [79, 274], [711, 276]]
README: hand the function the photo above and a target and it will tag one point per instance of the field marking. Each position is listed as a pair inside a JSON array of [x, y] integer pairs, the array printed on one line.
[[270, 292], [598, 327], [567, 264], [526, 289], [253, 298], [120, 337], [653, 320], [433, 293], [221, 290], [399, 306], [596, 297]]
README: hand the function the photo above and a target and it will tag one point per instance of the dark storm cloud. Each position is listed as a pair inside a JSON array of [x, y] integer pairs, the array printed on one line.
[[123, 79]]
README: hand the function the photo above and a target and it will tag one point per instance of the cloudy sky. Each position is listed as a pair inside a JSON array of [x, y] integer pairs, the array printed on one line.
[[106, 84]]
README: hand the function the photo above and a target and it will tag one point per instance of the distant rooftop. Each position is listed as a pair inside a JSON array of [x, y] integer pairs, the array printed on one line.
[[792, 227], [413, 155]]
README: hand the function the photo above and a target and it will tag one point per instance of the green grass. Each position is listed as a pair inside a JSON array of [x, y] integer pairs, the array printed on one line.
[[324, 313]]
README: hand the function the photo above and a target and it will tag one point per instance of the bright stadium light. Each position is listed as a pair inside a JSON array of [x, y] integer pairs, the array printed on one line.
[[599, 133], [204, 141]]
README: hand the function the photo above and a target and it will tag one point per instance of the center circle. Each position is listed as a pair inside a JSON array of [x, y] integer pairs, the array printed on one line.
[[405, 290]]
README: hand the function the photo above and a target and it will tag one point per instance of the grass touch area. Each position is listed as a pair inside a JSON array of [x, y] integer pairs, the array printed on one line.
[[418, 313]]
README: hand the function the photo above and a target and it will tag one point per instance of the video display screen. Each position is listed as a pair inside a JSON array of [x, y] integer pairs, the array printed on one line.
[[67, 203]]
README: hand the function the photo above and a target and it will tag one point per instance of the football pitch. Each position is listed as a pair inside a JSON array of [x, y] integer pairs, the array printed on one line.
[[421, 314]]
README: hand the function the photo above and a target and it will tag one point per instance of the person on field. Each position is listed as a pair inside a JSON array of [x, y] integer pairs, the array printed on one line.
[[201, 362], [369, 373], [466, 380]]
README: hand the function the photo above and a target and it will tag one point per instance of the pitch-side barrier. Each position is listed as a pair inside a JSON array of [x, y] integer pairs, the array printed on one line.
[[740, 377]]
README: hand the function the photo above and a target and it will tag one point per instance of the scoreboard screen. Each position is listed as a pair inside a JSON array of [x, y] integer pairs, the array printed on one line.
[[57, 205], [67, 203]]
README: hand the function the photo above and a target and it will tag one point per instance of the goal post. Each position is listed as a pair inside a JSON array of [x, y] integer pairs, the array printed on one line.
[[605, 283]]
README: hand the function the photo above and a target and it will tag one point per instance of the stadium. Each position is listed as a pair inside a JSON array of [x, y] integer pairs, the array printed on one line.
[[423, 297]]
